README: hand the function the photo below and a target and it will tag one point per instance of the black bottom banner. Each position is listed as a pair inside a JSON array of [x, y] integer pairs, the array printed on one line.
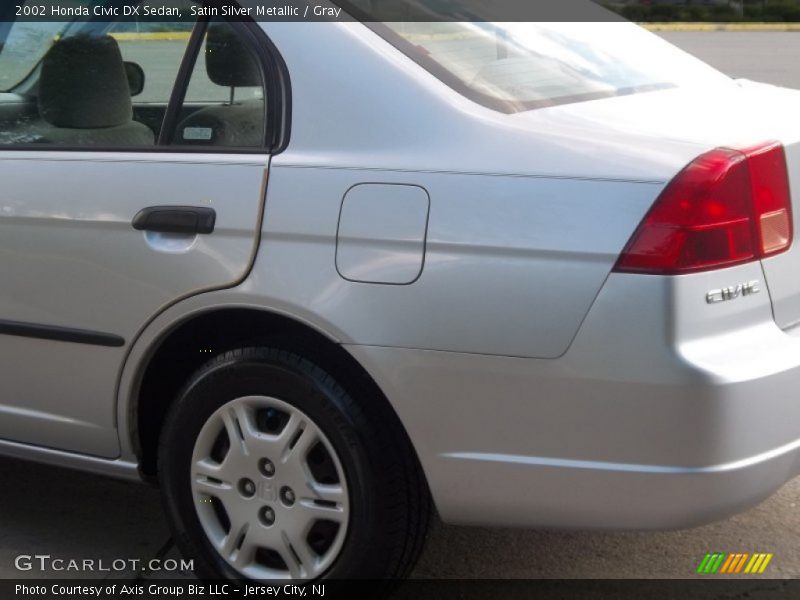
[[513, 589]]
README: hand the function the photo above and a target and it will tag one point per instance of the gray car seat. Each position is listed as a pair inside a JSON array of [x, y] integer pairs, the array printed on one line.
[[229, 63], [84, 97]]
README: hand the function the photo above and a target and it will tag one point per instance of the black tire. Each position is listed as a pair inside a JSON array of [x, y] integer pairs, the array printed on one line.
[[389, 499]]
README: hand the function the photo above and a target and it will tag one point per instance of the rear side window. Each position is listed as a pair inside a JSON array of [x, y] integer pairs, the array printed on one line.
[[513, 67], [225, 102], [24, 47], [158, 51], [120, 85]]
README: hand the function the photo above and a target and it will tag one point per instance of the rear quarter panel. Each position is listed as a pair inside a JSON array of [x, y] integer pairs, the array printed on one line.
[[511, 266], [526, 220]]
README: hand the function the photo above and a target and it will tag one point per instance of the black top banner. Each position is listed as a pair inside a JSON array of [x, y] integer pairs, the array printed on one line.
[[148, 11]]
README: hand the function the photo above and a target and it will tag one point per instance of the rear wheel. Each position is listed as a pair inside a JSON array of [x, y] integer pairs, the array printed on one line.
[[269, 469]]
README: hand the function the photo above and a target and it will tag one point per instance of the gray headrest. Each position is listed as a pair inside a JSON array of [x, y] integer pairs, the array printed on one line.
[[229, 61], [83, 84]]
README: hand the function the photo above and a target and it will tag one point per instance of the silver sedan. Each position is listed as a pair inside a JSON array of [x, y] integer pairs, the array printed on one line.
[[316, 278]]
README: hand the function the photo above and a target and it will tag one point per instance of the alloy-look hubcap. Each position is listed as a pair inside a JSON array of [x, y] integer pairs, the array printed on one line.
[[269, 490]]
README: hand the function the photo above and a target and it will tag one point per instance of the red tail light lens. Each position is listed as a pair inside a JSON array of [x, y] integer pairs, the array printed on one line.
[[727, 207], [771, 198]]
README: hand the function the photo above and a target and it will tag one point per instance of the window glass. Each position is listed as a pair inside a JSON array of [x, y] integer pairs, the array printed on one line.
[[158, 48], [88, 83], [109, 85], [520, 66], [24, 47], [225, 101]]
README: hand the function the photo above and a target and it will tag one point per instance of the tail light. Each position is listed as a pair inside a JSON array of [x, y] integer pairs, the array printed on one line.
[[726, 208]]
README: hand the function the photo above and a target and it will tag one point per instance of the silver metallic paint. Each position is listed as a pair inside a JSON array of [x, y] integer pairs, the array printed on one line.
[[381, 233]]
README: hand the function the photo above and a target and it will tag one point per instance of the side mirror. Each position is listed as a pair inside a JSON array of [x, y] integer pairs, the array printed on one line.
[[135, 75]]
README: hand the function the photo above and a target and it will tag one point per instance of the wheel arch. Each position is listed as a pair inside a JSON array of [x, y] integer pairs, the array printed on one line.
[[183, 348]]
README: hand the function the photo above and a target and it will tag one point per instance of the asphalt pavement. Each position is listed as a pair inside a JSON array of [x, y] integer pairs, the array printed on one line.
[[44, 510], [768, 56]]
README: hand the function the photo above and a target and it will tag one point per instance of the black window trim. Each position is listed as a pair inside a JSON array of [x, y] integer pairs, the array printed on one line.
[[277, 101], [182, 81]]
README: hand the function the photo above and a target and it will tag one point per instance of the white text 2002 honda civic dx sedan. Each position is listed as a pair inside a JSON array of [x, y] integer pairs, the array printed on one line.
[[315, 277]]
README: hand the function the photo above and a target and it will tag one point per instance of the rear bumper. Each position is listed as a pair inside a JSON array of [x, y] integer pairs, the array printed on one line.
[[526, 491], [646, 422]]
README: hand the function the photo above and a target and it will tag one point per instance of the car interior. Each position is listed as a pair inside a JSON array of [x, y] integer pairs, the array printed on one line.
[[237, 123], [83, 93]]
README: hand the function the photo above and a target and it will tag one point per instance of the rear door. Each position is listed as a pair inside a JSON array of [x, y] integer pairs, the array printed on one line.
[[109, 212]]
